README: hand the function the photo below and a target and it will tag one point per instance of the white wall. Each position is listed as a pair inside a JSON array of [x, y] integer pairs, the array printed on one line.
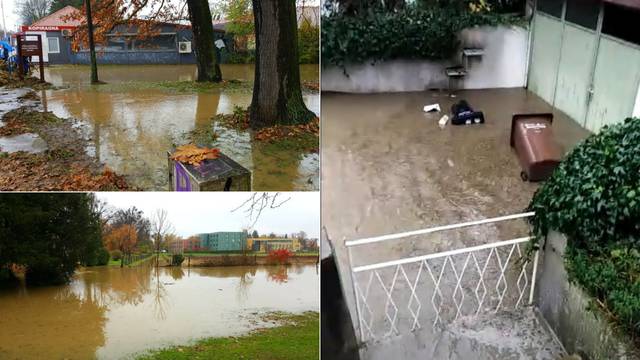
[[636, 107], [503, 65]]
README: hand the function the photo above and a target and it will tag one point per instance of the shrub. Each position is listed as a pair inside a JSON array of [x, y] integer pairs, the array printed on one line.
[[308, 43], [177, 259], [280, 256], [103, 256], [242, 57], [116, 255], [593, 197], [411, 33]]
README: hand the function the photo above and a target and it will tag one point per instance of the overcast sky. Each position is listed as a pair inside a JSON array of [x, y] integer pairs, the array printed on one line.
[[200, 212]]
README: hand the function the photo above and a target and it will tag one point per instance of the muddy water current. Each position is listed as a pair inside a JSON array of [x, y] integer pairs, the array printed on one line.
[[114, 313]]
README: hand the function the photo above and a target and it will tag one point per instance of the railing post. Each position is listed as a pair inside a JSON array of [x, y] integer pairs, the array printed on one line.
[[534, 276], [355, 294]]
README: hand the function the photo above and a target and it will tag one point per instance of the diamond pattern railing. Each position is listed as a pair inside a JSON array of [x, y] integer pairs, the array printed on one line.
[[400, 296]]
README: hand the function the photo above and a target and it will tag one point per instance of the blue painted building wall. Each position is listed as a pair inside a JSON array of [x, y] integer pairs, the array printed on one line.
[[135, 56]]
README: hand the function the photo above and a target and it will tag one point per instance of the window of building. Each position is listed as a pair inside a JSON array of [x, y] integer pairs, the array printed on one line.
[[583, 12], [118, 43], [621, 22], [551, 7], [157, 43], [54, 45]]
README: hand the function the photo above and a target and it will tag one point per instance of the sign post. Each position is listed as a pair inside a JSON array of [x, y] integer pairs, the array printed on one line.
[[29, 48]]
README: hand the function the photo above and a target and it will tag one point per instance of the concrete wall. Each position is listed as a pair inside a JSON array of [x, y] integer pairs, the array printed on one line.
[[566, 309], [636, 107], [503, 65]]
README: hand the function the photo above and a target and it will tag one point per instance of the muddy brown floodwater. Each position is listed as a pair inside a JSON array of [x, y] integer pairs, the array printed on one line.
[[132, 125], [387, 168], [113, 313]]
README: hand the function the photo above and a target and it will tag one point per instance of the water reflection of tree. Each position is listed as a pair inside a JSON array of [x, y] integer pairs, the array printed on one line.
[[160, 298], [62, 320], [278, 274], [206, 109], [176, 272], [117, 286], [244, 283]]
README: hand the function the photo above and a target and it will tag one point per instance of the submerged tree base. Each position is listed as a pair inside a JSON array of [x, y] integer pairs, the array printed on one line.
[[297, 337]]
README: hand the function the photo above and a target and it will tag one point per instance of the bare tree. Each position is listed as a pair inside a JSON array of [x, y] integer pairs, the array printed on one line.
[[160, 227], [31, 10], [257, 202]]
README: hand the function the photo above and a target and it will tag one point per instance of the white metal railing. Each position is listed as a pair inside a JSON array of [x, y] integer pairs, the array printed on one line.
[[487, 277]]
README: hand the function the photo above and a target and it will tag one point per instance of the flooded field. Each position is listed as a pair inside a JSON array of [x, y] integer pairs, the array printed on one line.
[[113, 313], [133, 121]]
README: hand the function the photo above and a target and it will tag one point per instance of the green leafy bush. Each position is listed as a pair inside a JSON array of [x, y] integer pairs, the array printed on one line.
[[177, 259], [103, 256], [242, 57], [308, 43], [593, 197], [411, 33]]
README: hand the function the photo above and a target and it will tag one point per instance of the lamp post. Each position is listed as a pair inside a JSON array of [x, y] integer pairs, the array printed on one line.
[[4, 25]]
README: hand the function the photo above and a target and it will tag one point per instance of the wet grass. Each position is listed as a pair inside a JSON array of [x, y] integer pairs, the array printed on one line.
[[187, 86], [24, 120], [113, 262], [181, 87], [303, 143], [296, 338]]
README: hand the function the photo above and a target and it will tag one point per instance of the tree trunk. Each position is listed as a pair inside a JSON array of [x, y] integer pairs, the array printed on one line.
[[92, 46], [277, 98], [202, 26]]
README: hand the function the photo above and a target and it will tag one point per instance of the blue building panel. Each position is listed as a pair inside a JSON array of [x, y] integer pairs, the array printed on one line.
[[224, 241]]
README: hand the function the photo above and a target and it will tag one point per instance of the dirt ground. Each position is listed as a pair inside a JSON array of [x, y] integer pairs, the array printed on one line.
[[387, 167]]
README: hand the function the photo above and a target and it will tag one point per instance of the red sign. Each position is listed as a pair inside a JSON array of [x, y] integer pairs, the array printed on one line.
[[46, 28]]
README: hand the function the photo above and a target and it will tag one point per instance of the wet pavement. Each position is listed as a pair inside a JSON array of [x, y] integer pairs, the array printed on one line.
[[132, 124], [388, 168], [114, 313]]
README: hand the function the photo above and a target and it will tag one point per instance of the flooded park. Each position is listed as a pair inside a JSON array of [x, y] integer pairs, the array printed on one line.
[[146, 110], [107, 312]]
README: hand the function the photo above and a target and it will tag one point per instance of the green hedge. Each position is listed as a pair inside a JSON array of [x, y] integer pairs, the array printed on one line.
[[308, 43], [412, 33], [593, 197]]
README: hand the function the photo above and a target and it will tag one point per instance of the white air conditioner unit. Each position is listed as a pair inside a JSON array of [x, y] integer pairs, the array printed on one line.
[[184, 47], [66, 32]]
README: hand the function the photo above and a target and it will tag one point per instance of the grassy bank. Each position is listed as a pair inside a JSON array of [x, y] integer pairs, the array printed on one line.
[[113, 262], [205, 254], [297, 338]]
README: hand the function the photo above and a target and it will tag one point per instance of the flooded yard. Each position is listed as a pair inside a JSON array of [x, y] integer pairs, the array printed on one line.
[[389, 168], [134, 119], [113, 313]]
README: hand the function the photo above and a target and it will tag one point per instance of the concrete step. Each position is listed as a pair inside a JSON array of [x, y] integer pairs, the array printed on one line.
[[503, 336]]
